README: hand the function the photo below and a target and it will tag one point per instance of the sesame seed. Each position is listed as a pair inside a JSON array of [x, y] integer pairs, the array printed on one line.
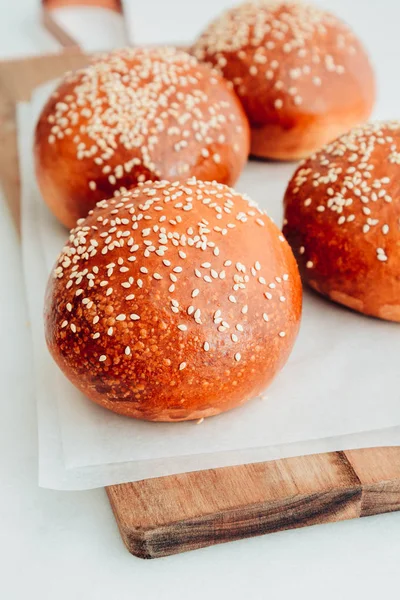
[[238, 356], [182, 327], [182, 366], [102, 358], [206, 346], [127, 350], [282, 334]]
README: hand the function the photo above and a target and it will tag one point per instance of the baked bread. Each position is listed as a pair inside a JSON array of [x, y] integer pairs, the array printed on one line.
[[133, 115], [342, 215], [175, 301], [301, 74]]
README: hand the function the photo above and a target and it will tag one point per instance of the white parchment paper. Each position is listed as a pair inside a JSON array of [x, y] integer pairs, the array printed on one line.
[[341, 381]]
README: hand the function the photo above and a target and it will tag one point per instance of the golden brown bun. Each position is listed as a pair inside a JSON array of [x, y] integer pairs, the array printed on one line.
[[342, 210], [176, 301], [135, 115], [303, 77]]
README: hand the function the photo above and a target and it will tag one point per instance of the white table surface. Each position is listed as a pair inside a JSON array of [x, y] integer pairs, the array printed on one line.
[[65, 545]]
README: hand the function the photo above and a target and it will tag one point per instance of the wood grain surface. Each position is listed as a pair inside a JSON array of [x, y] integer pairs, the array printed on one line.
[[17, 80], [167, 515]]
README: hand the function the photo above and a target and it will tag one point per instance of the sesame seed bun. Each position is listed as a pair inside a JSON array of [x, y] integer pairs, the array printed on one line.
[[301, 74], [342, 210], [175, 301], [133, 115]]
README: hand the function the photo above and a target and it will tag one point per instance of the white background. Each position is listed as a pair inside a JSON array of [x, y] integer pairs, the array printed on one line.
[[65, 545]]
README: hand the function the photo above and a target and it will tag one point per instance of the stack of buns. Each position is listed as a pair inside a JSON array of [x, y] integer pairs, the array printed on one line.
[[176, 297]]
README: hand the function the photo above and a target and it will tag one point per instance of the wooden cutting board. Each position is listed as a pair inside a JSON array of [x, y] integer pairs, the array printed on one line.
[[167, 515]]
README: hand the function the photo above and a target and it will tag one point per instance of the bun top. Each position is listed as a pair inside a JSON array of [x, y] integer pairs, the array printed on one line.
[[290, 51], [133, 115], [350, 191], [175, 276]]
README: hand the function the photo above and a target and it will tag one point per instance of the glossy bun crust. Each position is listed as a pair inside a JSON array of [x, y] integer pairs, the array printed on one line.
[[174, 302], [131, 116], [301, 74], [342, 210]]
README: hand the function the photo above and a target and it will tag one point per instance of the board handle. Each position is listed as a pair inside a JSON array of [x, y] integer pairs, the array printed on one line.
[[63, 37]]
